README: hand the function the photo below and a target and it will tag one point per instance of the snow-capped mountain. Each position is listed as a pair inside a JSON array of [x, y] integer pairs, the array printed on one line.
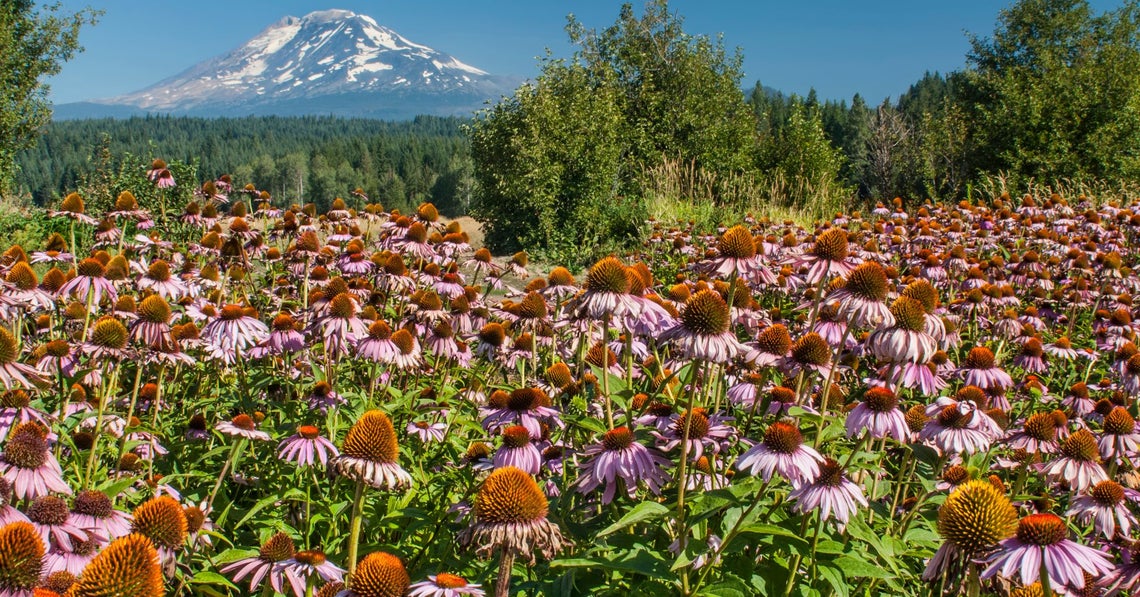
[[327, 62]]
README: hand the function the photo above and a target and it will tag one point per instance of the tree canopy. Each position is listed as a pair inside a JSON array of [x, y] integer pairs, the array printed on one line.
[[33, 44], [562, 162]]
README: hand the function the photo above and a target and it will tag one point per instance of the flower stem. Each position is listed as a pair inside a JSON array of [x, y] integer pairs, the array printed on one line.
[[225, 469], [503, 582], [1046, 585], [354, 534]]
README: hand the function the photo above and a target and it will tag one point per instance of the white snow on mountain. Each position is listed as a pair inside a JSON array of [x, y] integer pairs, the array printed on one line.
[[324, 53]]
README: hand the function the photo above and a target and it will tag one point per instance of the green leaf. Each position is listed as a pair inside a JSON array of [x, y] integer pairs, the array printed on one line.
[[641, 513], [834, 577], [852, 566], [211, 578]]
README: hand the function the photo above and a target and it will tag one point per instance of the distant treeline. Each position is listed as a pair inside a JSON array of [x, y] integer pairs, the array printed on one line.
[[399, 164]]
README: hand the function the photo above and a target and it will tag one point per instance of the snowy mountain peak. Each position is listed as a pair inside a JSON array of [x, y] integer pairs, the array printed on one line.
[[324, 54]]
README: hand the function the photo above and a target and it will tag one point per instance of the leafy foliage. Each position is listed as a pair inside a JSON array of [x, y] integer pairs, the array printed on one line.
[[33, 44]]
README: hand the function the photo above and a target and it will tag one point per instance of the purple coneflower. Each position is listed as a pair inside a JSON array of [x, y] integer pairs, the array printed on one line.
[[903, 337], [518, 451], [1079, 463], [957, 427], [52, 519], [235, 329], [427, 432], [284, 338], [14, 374], [370, 454], [1037, 435], [528, 407], [510, 514], [89, 283], [445, 585], [28, 464], [861, 298], [704, 332], [704, 432], [782, 451], [830, 493], [879, 415], [980, 369], [242, 426], [975, 517], [1042, 544], [1106, 506], [93, 511], [278, 548], [1120, 438], [828, 256], [619, 457], [297, 569], [306, 446], [606, 292]]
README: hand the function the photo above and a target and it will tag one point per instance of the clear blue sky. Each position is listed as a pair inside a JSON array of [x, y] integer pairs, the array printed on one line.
[[840, 47]]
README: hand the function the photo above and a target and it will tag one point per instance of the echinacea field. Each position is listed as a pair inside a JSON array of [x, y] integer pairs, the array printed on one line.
[[238, 397]]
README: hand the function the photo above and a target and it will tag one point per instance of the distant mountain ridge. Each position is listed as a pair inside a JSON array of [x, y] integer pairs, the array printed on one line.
[[327, 62]]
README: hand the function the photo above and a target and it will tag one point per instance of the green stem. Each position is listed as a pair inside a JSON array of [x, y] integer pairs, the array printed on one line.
[[354, 534], [1046, 584], [225, 470]]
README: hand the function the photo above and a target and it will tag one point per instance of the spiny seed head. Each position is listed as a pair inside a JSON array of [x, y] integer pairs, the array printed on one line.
[[1119, 422], [404, 341], [524, 399], [812, 349], [445, 580], [380, 574], [559, 375], [94, 503], [1041, 427], [783, 438], [705, 314], [162, 520], [58, 582], [924, 292], [608, 275], [1081, 446], [9, 349], [128, 566], [533, 306], [909, 314], [736, 243], [916, 418], [109, 332], [515, 436], [976, 516], [22, 276], [26, 448], [493, 334], [697, 422], [831, 245], [48, 510], [1107, 493], [343, 306], [979, 357], [72, 203], [154, 309], [880, 400], [618, 438], [830, 473], [956, 474], [91, 268], [1042, 529], [15, 399], [560, 276], [21, 555], [775, 340], [277, 548], [868, 281], [373, 438], [509, 496]]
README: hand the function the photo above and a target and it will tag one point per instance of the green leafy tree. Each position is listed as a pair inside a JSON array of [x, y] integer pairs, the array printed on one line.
[[562, 162], [1055, 92], [33, 44]]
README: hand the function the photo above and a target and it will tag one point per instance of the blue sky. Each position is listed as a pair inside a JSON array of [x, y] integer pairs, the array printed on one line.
[[839, 47]]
